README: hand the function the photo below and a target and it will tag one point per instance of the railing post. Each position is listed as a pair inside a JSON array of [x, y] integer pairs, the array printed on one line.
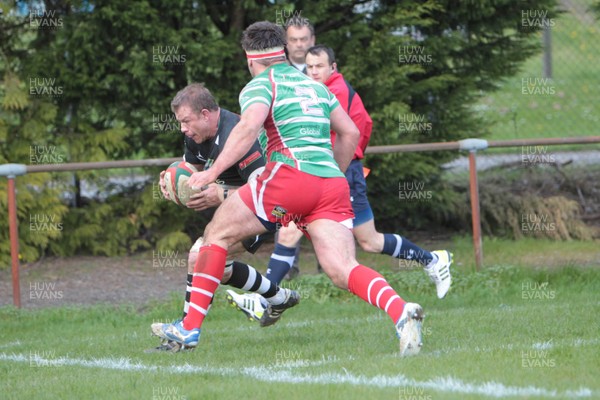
[[14, 240], [11, 171], [476, 218], [472, 145]]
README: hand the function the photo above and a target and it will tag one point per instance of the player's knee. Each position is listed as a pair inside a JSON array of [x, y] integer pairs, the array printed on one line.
[[227, 272], [340, 280], [220, 234], [370, 240], [368, 244], [289, 236], [209, 233], [214, 234], [192, 258], [193, 254], [338, 275]]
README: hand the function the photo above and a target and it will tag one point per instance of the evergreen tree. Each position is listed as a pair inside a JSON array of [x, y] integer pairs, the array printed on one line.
[[103, 74]]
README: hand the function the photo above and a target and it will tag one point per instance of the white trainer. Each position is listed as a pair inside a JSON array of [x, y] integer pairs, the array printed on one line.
[[251, 304], [408, 329], [157, 329], [439, 273]]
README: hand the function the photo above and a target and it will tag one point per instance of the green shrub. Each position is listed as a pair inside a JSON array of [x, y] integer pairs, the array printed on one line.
[[133, 220], [39, 213]]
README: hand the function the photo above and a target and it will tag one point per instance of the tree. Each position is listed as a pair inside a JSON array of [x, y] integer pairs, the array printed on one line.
[[103, 74], [419, 67], [23, 128]]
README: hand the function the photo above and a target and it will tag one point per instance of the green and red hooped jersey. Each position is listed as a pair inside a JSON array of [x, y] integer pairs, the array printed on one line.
[[296, 131]]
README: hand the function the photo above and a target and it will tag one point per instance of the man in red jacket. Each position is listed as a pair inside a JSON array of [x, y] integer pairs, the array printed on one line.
[[321, 67]]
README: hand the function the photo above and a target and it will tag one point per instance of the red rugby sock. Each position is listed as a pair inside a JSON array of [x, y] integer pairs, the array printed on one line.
[[374, 289], [207, 276]]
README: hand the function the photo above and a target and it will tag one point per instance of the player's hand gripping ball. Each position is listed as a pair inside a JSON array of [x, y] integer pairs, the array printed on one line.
[[176, 177]]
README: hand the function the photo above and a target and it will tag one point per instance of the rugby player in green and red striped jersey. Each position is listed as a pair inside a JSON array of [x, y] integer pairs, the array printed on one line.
[[302, 182]]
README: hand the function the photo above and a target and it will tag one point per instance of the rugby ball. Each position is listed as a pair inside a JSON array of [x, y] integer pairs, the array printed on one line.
[[176, 177]]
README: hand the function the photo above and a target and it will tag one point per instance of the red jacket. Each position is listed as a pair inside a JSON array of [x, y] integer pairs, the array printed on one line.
[[345, 94]]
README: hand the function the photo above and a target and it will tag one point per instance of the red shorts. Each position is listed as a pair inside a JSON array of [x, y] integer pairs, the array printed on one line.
[[282, 194]]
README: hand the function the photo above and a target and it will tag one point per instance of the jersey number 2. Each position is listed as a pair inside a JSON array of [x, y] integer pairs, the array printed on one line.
[[310, 104]]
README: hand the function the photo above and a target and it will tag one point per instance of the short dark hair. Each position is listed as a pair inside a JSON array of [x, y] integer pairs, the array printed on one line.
[[264, 35], [300, 22], [320, 48], [196, 96]]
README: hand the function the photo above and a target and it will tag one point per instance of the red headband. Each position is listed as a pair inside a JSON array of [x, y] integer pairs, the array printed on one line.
[[266, 53]]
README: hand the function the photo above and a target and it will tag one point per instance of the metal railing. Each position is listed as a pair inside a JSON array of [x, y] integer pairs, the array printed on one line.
[[11, 171]]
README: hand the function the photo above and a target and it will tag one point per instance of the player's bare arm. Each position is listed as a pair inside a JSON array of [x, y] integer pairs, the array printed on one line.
[[210, 197], [240, 140], [347, 137]]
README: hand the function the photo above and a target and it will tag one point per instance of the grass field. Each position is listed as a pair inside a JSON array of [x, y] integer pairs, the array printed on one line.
[[563, 105], [506, 332]]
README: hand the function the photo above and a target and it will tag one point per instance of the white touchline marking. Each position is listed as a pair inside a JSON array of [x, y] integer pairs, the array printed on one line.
[[11, 344], [536, 346], [285, 375], [573, 343], [543, 345]]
